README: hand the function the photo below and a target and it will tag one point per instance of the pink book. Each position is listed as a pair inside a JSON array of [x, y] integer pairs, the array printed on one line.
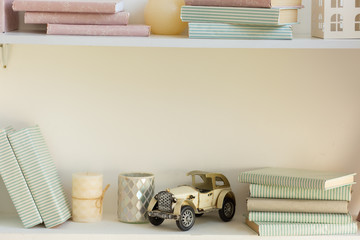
[[120, 18], [9, 20], [99, 30], [245, 3], [80, 6]]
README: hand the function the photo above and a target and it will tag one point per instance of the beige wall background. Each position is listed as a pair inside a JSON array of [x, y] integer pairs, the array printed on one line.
[[169, 111]]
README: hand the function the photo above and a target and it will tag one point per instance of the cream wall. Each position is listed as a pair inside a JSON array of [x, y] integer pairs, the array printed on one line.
[[169, 111]]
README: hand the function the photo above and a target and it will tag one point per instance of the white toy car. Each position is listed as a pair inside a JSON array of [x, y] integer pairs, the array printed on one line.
[[208, 192]]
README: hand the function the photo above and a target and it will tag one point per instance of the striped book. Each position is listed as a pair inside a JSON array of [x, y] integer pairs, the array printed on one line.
[[235, 15], [288, 217], [301, 229], [231, 31], [41, 175], [267, 191], [15, 183], [294, 205], [298, 178]]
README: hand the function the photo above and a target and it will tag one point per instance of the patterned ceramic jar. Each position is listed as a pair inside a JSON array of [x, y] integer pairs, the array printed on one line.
[[135, 193]]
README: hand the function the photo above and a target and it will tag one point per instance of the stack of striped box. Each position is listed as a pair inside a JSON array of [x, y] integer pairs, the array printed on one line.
[[241, 19], [295, 202], [81, 17], [31, 178]]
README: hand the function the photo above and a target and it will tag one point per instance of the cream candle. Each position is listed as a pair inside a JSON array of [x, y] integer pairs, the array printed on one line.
[[87, 197]]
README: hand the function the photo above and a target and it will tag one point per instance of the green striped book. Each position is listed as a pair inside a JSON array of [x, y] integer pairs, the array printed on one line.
[[41, 175], [298, 178], [231, 31], [236, 15], [301, 229], [266, 191], [289, 217], [15, 183]]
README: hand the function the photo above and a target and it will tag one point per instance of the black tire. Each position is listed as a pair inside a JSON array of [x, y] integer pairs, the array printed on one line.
[[227, 211], [187, 218], [198, 214], [156, 221]]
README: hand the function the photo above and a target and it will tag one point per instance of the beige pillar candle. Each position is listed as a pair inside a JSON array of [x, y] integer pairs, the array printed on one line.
[[87, 196]]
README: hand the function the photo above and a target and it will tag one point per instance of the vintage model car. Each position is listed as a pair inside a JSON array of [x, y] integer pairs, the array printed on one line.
[[208, 192]]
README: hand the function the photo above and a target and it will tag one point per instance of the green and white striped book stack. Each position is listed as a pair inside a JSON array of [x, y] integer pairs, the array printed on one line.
[[15, 183], [240, 22], [298, 202], [40, 175]]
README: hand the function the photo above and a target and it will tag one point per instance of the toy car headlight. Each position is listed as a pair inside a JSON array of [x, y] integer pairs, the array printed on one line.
[[174, 199], [156, 196]]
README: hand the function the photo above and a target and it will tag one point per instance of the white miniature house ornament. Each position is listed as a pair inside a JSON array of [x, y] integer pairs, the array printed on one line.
[[335, 18]]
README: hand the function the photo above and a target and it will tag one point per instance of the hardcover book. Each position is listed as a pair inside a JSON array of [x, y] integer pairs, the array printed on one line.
[[41, 175], [81, 6], [267, 191], [297, 178], [294, 205], [245, 3], [289, 217], [9, 20], [99, 30], [234, 15], [120, 18], [301, 229], [231, 31], [15, 183]]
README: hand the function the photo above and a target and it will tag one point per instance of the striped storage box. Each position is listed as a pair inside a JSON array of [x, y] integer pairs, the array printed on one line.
[[41, 175], [15, 183]]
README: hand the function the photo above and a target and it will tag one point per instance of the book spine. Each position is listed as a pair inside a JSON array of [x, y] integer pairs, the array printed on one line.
[[284, 181], [230, 3], [251, 16], [303, 229], [286, 217], [41, 175], [230, 31], [67, 6], [99, 30], [121, 18], [293, 205], [9, 20], [267, 191], [15, 183]]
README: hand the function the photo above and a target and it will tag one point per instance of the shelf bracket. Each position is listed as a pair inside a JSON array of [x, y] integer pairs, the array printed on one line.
[[4, 54]]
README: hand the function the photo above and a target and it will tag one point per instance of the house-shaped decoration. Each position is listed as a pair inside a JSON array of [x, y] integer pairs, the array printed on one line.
[[335, 18]]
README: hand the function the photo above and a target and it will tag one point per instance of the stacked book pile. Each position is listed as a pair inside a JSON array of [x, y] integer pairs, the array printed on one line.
[[31, 178], [293, 202], [80, 17], [241, 19]]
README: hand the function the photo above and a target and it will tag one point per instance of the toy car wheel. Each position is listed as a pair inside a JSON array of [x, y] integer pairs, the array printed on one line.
[[156, 221], [227, 212], [186, 219]]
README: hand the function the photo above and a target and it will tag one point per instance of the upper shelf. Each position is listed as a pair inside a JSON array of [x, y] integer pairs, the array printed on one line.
[[299, 42]]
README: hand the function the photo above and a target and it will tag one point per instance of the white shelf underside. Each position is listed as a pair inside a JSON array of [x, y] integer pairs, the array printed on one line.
[[207, 227], [300, 42]]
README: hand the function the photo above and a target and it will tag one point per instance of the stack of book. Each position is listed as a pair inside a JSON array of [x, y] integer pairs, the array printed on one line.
[[293, 202], [31, 178], [80, 17], [241, 19]]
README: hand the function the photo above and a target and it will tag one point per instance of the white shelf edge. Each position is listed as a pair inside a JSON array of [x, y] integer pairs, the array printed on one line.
[[299, 42], [208, 227]]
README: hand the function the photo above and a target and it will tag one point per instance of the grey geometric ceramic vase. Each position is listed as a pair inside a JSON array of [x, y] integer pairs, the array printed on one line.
[[134, 195]]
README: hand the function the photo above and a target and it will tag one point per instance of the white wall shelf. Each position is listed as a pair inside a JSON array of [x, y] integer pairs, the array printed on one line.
[[300, 42], [207, 227]]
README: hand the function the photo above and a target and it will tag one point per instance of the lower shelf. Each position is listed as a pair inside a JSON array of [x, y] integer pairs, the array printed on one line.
[[181, 41], [206, 227]]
